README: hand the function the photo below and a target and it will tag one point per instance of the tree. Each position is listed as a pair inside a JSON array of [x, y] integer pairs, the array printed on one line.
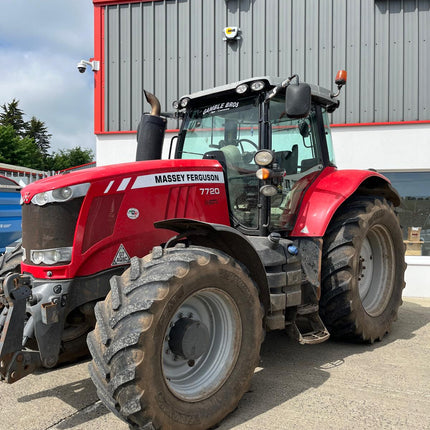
[[21, 151], [26, 143], [14, 116], [37, 130], [8, 140], [28, 154], [63, 159]]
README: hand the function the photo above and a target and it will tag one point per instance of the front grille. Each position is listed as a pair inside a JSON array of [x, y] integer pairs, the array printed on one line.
[[49, 226], [101, 219]]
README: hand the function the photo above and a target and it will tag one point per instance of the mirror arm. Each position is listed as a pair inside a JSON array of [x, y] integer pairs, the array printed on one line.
[[283, 84]]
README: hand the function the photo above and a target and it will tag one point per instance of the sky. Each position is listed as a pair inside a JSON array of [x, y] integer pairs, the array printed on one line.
[[41, 42]]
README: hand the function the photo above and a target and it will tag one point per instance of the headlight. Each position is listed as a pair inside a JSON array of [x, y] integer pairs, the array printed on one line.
[[257, 86], [184, 102], [175, 104], [60, 194], [268, 190], [40, 199], [263, 157], [51, 256], [242, 88]]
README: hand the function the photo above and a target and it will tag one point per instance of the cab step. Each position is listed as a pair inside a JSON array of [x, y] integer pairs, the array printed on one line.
[[308, 328]]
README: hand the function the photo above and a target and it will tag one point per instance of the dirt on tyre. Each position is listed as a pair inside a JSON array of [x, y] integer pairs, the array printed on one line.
[[363, 270], [177, 339], [10, 262]]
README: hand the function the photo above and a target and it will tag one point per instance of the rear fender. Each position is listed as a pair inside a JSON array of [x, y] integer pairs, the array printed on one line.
[[228, 240], [332, 188]]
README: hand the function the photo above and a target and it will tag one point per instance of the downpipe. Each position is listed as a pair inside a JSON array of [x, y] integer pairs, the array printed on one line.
[[150, 132]]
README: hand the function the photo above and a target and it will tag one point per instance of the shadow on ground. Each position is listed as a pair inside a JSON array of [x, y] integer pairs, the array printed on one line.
[[282, 361], [81, 395], [289, 369]]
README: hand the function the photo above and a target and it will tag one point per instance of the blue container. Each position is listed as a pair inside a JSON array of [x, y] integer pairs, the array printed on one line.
[[10, 212]]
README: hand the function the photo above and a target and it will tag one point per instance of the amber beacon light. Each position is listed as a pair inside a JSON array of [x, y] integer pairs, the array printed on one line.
[[340, 81]]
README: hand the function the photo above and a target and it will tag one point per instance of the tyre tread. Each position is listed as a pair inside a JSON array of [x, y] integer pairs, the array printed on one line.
[[339, 253], [129, 305]]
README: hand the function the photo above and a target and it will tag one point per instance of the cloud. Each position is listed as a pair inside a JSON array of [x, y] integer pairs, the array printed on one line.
[[40, 44]]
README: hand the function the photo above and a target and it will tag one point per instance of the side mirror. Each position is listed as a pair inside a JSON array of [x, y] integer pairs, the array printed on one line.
[[298, 100]]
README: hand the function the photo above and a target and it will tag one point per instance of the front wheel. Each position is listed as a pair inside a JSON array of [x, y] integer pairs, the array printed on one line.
[[177, 339], [363, 270]]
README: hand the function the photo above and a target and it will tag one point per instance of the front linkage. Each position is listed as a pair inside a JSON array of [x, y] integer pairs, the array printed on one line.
[[34, 313], [15, 363], [44, 322]]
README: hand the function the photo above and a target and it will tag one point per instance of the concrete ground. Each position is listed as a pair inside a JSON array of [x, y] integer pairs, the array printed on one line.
[[327, 386]]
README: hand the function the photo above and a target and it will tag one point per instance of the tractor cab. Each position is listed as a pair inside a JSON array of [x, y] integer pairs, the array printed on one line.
[[271, 142]]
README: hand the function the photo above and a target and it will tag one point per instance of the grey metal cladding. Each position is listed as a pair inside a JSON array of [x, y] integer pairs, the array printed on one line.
[[176, 47]]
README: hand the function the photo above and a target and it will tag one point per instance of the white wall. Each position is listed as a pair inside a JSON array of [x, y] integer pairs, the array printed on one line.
[[121, 148], [389, 147], [115, 148], [417, 277], [383, 147]]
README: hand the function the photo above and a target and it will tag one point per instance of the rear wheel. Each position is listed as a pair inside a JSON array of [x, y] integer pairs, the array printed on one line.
[[363, 270], [177, 339]]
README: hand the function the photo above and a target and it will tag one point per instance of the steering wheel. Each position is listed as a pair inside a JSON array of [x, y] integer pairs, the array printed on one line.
[[239, 142]]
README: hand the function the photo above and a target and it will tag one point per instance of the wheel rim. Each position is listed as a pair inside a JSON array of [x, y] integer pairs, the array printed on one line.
[[199, 378], [376, 270]]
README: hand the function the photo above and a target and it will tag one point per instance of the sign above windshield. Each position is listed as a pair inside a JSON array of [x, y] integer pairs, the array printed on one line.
[[219, 107]]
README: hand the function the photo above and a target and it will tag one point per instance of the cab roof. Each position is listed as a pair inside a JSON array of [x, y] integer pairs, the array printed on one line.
[[320, 95]]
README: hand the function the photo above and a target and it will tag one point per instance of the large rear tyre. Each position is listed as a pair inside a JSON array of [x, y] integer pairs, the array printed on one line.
[[177, 339], [363, 270]]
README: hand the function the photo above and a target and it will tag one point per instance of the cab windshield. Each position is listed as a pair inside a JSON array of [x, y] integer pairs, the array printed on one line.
[[229, 131], [219, 125]]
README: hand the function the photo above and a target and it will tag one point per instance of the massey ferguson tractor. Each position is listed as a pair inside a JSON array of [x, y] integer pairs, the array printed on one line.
[[173, 270]]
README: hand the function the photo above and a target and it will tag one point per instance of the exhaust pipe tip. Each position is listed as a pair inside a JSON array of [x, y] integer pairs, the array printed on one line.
[[154, 102]]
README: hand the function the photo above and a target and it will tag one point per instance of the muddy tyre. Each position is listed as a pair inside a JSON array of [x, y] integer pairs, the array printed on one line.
[[10, 262], [363, 270], [177, 339]]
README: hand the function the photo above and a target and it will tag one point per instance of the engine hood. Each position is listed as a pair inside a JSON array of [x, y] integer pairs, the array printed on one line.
[[111, 172]]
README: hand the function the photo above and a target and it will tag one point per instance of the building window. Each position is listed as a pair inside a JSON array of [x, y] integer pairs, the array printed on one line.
[[414, 211]]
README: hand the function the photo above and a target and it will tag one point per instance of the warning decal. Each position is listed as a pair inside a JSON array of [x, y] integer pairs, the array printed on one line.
[[121, 256]]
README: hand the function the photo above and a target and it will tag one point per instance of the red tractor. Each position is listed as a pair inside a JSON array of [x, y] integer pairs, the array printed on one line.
[[183, 264]]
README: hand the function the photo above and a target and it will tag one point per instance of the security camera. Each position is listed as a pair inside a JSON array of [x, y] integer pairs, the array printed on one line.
[[82, 65]]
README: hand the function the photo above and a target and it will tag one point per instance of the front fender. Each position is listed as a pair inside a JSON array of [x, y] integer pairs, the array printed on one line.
[[226, 239], [330, 189]]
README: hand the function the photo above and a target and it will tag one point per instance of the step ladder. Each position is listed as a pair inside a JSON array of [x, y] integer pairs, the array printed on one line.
[[308, 327]]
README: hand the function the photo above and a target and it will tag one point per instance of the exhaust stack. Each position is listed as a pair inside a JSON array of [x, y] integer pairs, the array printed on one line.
[[150, 132]]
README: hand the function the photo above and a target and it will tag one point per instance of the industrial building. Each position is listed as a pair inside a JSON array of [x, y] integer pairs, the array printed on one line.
[[175, 47]]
